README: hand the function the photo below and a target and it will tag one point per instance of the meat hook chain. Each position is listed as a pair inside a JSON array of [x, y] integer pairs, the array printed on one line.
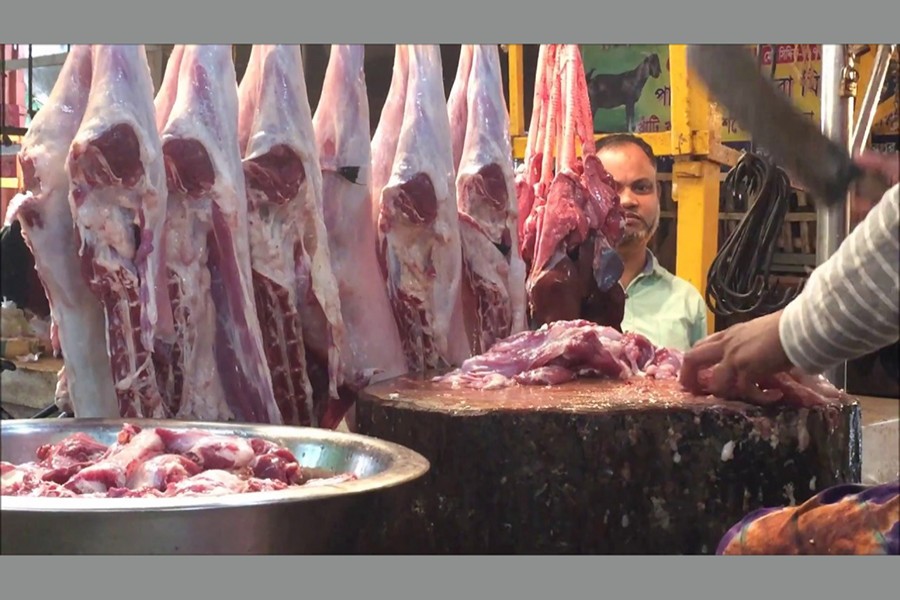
[[738, 281]]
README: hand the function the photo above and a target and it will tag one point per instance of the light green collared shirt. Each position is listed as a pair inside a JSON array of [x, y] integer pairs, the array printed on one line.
[[666, 309]]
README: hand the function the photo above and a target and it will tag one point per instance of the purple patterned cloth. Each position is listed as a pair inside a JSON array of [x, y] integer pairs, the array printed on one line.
[[844, 519]]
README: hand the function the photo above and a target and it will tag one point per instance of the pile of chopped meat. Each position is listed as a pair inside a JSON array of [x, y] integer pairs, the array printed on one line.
[[157, 462], [560, 352]]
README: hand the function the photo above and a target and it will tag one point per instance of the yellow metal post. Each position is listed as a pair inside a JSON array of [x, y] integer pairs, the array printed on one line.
[[13, 183], [695, 178], [516, 92]]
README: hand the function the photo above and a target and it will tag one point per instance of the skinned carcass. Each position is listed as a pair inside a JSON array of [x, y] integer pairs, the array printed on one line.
[[118, 203], [297, 294], [274, 175], [458, 103], [493, 267], [216, 361], [78, 321], [387, 133], [418, 226], [575, 219], [372, 349]]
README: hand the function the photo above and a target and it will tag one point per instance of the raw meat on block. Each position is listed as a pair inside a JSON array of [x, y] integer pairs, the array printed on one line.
[[118, 202], [562, 351], [418, 226], [372, 350], [79, 327], [284, 180], [485, 191], [217, 368]]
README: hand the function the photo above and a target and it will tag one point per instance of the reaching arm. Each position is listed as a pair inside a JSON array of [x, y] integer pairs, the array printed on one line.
[[849, 307]]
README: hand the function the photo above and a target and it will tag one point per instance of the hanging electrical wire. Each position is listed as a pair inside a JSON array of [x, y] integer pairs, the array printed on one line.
[[739, 280]]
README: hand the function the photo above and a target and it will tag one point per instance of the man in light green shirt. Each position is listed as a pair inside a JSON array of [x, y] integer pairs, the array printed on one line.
[[665, 308]]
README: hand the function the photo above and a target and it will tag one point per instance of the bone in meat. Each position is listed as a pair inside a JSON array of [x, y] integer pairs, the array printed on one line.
[[268, 96], [48, 229], [372, 348], [418, 226], [283, 132], [486, 199], [186, 368], [218, 343], [118, 200]]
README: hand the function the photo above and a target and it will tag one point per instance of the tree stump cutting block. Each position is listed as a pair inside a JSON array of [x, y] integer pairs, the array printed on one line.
[[597, 467]]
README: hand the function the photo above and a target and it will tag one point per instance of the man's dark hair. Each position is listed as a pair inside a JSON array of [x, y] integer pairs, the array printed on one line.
[[620, 139]]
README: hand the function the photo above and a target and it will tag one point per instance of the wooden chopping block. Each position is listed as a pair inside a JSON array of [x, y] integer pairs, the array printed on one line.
[[597, 467]]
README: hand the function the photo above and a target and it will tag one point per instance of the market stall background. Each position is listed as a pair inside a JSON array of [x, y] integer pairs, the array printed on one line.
[[614, 70]]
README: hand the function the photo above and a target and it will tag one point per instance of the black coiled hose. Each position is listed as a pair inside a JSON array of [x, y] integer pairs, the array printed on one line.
[[738, 280]]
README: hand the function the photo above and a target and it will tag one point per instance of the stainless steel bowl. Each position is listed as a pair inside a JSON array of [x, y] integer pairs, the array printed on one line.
[[315, 519]]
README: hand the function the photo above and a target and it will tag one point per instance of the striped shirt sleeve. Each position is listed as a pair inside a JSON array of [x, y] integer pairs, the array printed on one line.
[[849, 306]]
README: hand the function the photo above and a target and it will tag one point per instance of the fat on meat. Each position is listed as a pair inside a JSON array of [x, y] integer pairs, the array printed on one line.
[[281, 160], [387, 132], [79, 328], [486, 199], [118, 202], [275, 176], [186, 368], [216, 363], [372, 349], [418, 226], [458, 103]]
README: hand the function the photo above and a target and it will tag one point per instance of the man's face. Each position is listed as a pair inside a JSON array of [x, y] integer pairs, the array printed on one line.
[[638, 190]]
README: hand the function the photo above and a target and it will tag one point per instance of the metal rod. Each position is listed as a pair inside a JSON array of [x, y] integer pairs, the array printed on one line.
[[836, 122], [2, 91], [30, 83]]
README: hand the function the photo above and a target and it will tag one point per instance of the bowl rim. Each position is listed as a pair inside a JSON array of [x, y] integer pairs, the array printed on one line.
[[404, 465]]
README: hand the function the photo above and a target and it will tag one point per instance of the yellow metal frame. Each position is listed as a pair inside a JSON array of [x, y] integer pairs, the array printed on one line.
[[694, 142], [13, 183], [864, 67]]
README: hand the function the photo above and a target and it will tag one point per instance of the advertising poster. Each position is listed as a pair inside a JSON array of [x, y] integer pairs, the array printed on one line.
[[629, 87], [798, 72], [886, 128]]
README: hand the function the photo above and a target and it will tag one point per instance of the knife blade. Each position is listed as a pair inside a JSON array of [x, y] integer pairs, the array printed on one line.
[[794, 142]]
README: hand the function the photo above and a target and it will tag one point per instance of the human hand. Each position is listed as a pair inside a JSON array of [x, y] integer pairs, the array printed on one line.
[[740, 357], [888, 165]]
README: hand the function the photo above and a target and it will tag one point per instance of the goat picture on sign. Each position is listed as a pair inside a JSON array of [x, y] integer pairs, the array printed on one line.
[[628, 87]]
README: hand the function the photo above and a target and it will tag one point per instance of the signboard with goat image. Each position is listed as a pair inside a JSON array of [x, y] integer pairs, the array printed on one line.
[[628, 87]]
